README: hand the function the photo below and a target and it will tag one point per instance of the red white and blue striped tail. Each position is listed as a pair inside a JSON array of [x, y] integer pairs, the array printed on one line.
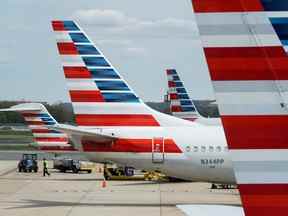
[[245, 47], [181, 105], [99, 95], [38, 120]]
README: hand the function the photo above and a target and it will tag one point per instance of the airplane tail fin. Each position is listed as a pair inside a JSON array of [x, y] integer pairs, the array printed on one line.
[[245, 48], [99, 95], [181, 105], [38, 120]]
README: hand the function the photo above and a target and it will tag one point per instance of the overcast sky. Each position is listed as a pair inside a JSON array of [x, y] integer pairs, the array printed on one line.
[[140, 38]]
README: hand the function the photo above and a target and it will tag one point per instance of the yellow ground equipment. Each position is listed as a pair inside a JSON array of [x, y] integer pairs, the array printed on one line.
[[121, 173], [155, 176]]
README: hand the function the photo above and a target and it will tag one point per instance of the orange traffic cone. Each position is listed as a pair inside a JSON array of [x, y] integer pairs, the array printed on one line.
[[104, 184]]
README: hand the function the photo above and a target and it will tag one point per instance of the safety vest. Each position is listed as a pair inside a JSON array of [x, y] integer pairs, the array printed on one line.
[[45, 164]]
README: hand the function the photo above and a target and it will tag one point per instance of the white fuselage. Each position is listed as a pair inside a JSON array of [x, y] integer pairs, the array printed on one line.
[[209, 121], [203, 157]]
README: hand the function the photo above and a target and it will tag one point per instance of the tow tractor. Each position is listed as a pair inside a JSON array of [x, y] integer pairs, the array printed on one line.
[[28, 163]]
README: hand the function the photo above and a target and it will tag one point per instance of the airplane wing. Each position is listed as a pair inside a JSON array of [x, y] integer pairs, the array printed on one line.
[[245, 45], [208, 210]]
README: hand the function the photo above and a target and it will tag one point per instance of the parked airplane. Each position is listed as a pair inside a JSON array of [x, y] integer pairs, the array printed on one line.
[[181, 105], [245, 45], [38, 120], [115, 125]]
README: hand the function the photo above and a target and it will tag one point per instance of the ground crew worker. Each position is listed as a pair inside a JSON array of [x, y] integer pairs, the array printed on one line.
[[45, 168]]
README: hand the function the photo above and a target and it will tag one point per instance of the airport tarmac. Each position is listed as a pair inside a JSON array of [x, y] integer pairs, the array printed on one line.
[[31, 194]]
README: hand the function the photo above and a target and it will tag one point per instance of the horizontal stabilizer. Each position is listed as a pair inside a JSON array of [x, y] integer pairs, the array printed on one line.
[[95, 134]]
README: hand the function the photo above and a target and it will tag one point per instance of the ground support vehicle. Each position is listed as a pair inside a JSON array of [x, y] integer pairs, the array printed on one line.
[[28, 163], [73, 165]]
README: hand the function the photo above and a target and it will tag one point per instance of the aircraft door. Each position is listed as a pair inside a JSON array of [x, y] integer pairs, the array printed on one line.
[[158, 150]]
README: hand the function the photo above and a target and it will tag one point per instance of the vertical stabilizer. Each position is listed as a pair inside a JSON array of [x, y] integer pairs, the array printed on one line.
[[181, 105], [245, 47], [99, 95]]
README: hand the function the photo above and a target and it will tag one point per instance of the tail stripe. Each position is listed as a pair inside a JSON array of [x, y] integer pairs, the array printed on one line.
[[103, 73], [86, 96], [63, 37], [79, 38], [183, 96], [95, 62], [64, 26], [227, 30], [87, 49], [247, 63], [171, 71], [280, 25], [120, 97], [72, 61], [67, 48], [271, 129], [209, 6], [81, 84], [76, 72], [116, 120], [111, 108], [96, 73], [186, 103], [112, 85]]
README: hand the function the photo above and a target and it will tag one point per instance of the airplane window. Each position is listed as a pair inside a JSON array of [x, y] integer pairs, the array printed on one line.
[[195, 148], [218, 148], [188, 148], [211, 148], [203, 148]]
